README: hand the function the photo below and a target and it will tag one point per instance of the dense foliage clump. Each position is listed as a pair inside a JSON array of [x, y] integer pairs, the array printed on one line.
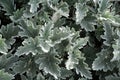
[[59, 40]]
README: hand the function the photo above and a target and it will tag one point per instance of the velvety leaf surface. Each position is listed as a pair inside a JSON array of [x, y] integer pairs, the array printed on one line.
[[49, 64], [3, 46], [103, 61], [5, 76]]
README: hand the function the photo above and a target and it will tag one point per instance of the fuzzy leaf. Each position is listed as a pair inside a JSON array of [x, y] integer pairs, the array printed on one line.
[[60, 34], [83, 69], [3, 46], [81, 11], [23, 77], [103, 4], [5, 76], [88, 51], [3, 61], [116, 48], [60, 22], [76, 61], [45, 33], [74, 54], [46, 30], [44, 46], [29, 46], [103, 61], [40, 77], [108, 34], [34, 4], [62, 9], [7, 62], [71, 78], [65, 73], [72, 60], [112, 77], [26, 64], [29, 29], [43, 16], [49, 64], [19, 67], [9, 32], [110, 17], [80, 43], [88, 23], [17, 15], [116, 51], [8, 6]]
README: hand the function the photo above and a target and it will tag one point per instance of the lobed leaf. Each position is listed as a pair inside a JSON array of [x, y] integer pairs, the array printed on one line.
[[103, 61], [103, 4], [49, 64], [34, 4], [9, 32], [29, 29], [26, 65], [88, 23], [108, 34], [29, 46], [116, 48], [3, 46], [8, 6], [17, 15], [81, 12]]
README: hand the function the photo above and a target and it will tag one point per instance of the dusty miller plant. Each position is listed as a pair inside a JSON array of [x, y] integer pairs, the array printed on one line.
[[59, 39]]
